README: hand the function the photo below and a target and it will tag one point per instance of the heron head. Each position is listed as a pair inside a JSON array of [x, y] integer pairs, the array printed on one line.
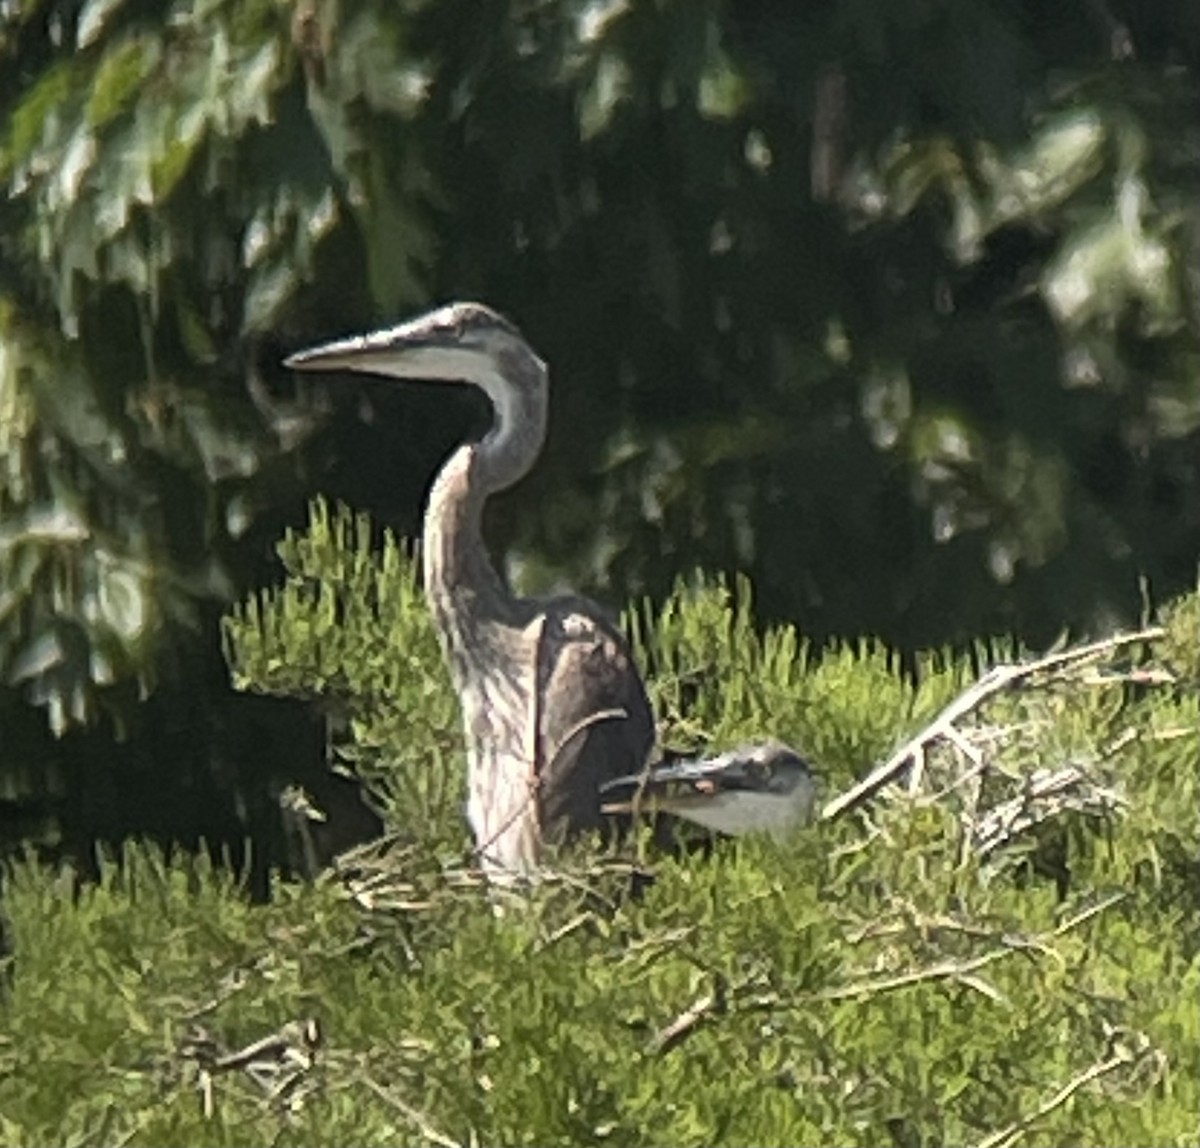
[[770, 767], [461, 342], [767, 787], [458, 343]]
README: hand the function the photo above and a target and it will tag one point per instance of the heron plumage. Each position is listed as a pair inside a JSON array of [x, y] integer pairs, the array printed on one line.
[[553, 705]]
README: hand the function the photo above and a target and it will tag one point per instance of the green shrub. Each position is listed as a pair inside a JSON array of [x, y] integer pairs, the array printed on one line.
[[869, 982]]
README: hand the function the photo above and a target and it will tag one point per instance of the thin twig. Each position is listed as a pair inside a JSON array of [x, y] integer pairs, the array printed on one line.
[[1007, 1135], [232, 984], [1088, 913], [539, 773], [996, 679], [962, 971], [276, 1063], [705, 1007], [944, 970], [690, 1019], [1052, 791], [575, 923], [413, 1115], [294, 1042], [613, 714]]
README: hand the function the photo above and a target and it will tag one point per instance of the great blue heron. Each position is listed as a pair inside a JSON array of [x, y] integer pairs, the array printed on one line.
[[766, 788], [552, 703]]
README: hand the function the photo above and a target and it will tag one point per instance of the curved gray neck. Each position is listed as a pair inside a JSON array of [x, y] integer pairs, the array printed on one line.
[[461, 583]]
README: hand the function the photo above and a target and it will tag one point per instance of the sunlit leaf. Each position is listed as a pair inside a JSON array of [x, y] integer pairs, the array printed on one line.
[[119, 76], [37, 112], [93, 20]]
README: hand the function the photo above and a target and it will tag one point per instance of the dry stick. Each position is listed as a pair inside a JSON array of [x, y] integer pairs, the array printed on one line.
[[943, 970], [965, 747], [206, 1093], [413, 1115], [962, 972], [703, 1007], [556, 935], [996, 679], [1007, 1135], [984, 988], [273, 1047], [384, 878], [691, 1018], [611, 714], [276, 1062], [232, 984], [1005, 821]]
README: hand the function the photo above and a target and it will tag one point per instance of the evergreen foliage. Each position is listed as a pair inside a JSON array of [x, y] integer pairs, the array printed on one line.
[[866, 982], [833, 991], [350, 626], [889, 304]]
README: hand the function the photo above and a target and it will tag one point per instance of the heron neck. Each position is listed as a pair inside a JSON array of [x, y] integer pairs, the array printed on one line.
[[460, 580]]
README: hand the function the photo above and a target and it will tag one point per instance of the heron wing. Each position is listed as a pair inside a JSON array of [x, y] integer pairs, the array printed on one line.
[[593, 717]]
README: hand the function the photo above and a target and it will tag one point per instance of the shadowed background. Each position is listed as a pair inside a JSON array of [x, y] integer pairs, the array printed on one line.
[[891, 306]]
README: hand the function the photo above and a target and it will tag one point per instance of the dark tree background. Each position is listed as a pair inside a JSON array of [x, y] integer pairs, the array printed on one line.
[[891, 304]]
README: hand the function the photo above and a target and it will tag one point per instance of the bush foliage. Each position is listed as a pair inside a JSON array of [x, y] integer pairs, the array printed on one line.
[[868, 982]]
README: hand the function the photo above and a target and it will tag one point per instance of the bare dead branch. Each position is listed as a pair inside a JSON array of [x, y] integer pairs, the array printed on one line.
[[1006, 1136], [943, 727], [1048, 793], [686, 1022], [413, 1115]]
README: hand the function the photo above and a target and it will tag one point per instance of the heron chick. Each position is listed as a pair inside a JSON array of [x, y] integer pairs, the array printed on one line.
[[764, 788], [552, 703]]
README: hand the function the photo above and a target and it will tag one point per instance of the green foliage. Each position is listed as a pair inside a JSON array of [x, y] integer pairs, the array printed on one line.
[[893, 263], [349, 625], [1181, 642], [717, 679], [810, 994], [166, 191], [866, 979]]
